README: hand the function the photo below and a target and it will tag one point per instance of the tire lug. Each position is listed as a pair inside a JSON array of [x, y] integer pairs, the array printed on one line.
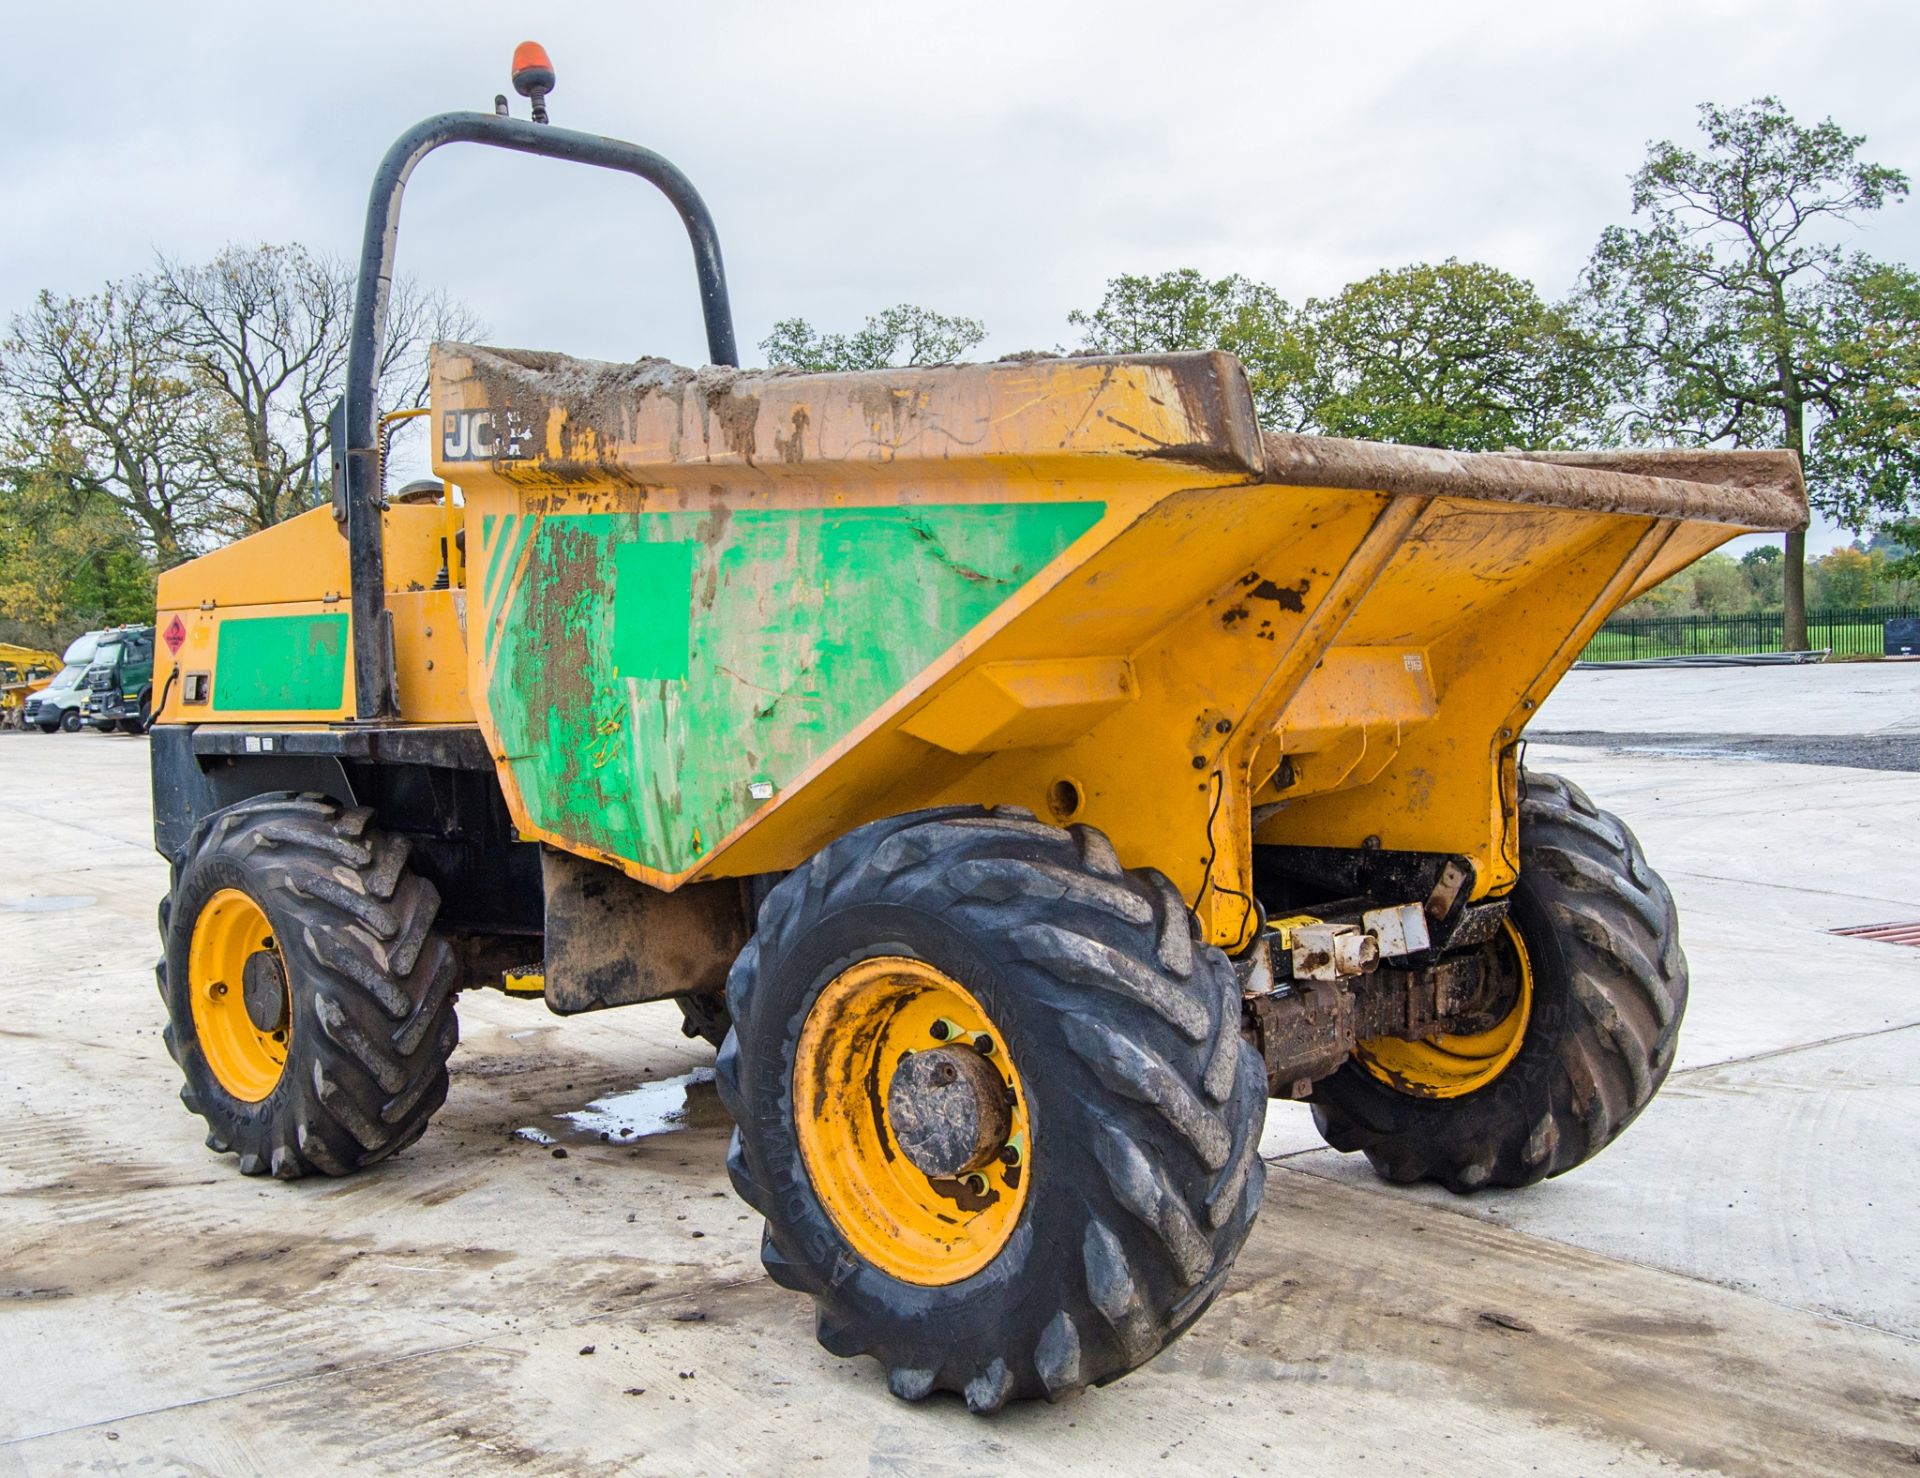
[[983, 1044]]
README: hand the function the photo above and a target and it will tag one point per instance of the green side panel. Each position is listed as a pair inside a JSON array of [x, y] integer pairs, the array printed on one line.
[[281, 662], [652, 667]]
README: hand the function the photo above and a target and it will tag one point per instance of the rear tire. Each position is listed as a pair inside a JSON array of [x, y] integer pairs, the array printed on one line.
[[1122, 1035], [1609, 991], [369, 986]]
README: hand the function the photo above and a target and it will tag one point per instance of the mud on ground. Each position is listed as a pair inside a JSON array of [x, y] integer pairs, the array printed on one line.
[[1731, 1288]]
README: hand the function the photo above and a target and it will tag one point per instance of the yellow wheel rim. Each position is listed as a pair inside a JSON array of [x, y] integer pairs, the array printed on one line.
[[245, 1059], [911, 1226], [1448, 1066]]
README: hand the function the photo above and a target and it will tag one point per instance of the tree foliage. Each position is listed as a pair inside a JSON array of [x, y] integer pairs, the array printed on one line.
[[1458, 355], [1735, 319], [69, 560], [898, 336], [1899, 542], [1849, 578], [192, 401], [1182, 310], [102, 404], [263, 331]]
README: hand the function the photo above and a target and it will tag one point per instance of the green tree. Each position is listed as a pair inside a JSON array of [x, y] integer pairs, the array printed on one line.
[[1864, 453], [1735, 322], [193, 400], [1762, 567], [100, 402], [1720, 586], [69, 560], [1172, 312], [1458, 355], [1902, 548], [1846, 579], [899, 336]]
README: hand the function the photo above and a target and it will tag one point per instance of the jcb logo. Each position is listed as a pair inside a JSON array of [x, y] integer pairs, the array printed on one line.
[[481, 436]]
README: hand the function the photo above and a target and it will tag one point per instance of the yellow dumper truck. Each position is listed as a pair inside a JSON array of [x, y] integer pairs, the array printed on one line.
[[1020, 771]]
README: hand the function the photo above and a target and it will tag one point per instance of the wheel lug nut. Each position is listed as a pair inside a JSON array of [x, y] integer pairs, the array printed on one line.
[[983, 1044], [940, 1031], [977, 1183], [1010, 1154]]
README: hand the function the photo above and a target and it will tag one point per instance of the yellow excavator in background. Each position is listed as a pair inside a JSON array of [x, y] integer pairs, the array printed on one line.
[[24, 671]]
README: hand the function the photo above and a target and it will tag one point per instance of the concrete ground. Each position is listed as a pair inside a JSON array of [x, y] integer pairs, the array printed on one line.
[[1734, 1286]]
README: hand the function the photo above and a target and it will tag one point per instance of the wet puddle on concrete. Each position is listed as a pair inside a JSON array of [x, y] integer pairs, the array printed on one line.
[[689, 1101]]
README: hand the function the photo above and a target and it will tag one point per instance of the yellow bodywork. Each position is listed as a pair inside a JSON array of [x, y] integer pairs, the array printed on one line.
[[1257, 638], [299, 569]]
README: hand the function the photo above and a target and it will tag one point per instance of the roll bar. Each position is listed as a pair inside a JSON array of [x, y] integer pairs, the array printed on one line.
[[355, 440]]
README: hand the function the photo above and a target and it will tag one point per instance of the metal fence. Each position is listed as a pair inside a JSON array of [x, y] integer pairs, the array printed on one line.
[[1858, 633]]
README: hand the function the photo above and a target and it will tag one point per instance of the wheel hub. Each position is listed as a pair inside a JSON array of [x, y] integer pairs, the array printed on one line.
[[238, 989], [264, 987], [912, 1122], [1453, 1064], [948, 1111]]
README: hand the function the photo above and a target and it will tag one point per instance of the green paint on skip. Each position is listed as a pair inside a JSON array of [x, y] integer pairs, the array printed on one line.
[[651, 665], [280, 663]]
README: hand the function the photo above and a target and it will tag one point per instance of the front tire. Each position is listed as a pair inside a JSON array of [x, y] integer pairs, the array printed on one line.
[[1609, 988], [1135, 1107], [310, 1003]]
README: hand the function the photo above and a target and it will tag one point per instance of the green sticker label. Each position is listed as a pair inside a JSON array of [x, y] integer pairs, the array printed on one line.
[[652, 609], [286, 663]]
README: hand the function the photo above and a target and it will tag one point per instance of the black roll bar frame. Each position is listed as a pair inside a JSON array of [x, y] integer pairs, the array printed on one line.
[[353, 424]]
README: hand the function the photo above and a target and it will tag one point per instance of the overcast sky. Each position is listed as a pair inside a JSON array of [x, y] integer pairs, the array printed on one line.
[[997, 160]]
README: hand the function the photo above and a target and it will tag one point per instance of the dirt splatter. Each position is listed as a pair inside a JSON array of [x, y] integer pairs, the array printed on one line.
[[1287, 597]]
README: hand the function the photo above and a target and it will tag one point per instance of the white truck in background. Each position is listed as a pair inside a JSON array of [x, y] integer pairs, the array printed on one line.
[[61, 704]]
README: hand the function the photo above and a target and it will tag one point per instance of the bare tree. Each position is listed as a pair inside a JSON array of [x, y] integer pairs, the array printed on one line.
[[101, 403], [265, 331]]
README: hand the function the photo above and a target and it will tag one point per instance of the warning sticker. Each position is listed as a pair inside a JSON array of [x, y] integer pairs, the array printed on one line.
[[174, 635]]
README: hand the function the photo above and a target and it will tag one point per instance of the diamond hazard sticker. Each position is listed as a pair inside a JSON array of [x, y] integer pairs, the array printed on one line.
[[174, 635]]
